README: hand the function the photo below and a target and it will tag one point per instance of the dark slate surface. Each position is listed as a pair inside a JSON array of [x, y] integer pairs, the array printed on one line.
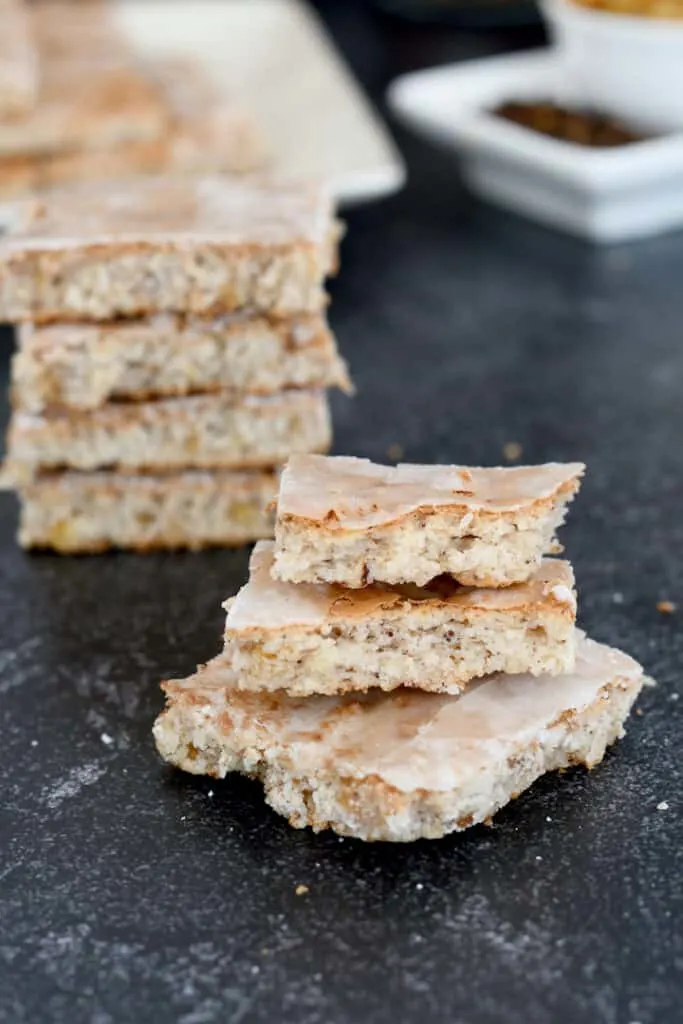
[[128, 893]]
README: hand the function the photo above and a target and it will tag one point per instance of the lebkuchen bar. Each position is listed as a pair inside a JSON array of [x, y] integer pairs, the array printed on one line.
[[352, 522], [405, 765], [206, 246], [86, 513], [136, 115], [83, 366], [310, 638], [404, 711], [201, 133], [118, 104], [200, 431]]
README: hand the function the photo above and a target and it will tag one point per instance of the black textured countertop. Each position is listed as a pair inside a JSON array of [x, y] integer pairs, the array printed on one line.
[[129, 893]]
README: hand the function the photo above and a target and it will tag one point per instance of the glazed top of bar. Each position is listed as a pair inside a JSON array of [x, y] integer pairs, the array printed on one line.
[[346, 493], [157, 211], [410, 739], [265, 603]]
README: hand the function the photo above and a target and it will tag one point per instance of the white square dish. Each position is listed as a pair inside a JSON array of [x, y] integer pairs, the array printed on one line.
[[628, 65], [606, 195]]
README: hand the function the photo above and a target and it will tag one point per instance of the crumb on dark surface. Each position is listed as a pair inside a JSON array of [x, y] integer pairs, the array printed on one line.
[[666, 607], [512, 451]]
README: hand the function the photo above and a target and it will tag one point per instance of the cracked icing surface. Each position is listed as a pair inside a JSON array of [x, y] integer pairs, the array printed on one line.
[[213, 209], [265, 603], [410, 740], [348, 493]]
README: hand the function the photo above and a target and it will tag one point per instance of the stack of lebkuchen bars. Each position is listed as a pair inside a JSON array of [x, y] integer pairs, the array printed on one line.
[[173, 351], [404, 658], [78, 103]]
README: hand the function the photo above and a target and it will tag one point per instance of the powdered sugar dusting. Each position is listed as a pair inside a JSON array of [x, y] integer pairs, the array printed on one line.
[[71, 785]]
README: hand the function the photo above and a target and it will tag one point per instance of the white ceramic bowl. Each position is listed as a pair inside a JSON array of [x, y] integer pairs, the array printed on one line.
[[606, 195], [628, 66]]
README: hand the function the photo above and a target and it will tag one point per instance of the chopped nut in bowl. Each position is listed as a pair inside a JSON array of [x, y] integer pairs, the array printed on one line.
[[574, 125], [638, 8]]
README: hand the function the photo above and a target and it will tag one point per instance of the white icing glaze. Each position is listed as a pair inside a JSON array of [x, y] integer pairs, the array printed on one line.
[[410, 739], [267, 603], [352, 494], [220, 210], [433, 745]]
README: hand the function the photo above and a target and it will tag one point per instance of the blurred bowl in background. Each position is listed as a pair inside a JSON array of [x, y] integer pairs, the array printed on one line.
[[630, 66]]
